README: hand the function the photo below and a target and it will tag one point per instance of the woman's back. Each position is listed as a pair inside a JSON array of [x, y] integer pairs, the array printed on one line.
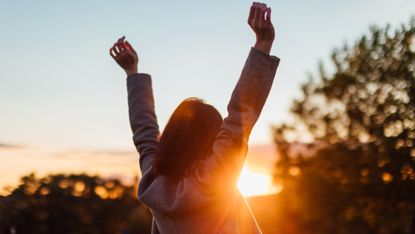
[[183, 207], [206, 199]]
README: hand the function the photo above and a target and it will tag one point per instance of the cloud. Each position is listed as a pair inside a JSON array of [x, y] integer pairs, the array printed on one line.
[[94, 153], [11, 146]]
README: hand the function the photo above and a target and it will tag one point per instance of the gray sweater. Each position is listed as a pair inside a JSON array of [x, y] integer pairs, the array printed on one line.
[[205, 201]]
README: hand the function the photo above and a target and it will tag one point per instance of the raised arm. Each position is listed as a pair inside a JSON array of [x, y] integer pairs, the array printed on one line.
[[220, 171], [143, 119]]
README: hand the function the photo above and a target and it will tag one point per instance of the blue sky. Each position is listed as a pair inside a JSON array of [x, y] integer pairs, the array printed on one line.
[[60, 88]]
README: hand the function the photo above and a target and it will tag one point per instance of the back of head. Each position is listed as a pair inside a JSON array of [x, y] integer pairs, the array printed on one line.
[[187, 138]]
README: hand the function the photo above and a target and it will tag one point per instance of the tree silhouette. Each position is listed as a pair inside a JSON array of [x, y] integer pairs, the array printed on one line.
[[358, 174], [73, 204]]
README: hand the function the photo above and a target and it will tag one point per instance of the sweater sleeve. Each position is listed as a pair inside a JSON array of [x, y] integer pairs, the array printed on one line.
[[143, 120], [221, 170]]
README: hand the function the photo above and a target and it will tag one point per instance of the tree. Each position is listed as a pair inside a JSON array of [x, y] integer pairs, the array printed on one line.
[[359, 174], [73, 204]]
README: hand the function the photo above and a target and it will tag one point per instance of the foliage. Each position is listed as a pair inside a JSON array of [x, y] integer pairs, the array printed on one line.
[[72, 204], [358, 174]]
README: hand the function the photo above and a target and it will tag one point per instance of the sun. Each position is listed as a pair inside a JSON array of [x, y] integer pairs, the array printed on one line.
[[254, 183]]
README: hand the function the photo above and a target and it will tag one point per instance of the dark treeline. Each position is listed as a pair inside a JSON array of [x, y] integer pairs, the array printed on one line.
[[358, 173], [73, 204]]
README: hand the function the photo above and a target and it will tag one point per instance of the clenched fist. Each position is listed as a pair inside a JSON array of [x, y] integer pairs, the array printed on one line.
[[260, 21]]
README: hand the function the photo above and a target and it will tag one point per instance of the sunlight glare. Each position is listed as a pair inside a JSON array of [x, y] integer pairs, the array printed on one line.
[[253, 183]]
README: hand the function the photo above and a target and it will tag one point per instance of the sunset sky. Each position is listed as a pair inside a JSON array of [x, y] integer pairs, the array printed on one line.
[[61, 90]]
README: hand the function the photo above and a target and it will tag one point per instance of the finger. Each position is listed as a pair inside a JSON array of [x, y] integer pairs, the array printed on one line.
[[256, 16], [115, 53], [251, 13], [120, 43], [259, 16], [128, 45], [121, 46], [112, 53], [269, 15], [262, 4], [115, 49], [121, 39], [262, 15]]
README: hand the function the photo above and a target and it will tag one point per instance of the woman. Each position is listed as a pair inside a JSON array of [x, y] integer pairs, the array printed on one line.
[[190, 172]]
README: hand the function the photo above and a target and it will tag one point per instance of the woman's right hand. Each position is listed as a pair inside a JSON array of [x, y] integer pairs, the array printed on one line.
[[260, 21], [124, 54]]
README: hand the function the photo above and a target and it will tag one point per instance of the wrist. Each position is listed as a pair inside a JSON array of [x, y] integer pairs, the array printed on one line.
[[131, 71], [263, 46]]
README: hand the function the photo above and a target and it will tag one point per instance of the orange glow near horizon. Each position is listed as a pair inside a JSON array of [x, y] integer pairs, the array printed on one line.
[[255, 183]]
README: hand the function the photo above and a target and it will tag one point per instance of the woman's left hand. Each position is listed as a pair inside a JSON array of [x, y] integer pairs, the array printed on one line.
[[124, 54]]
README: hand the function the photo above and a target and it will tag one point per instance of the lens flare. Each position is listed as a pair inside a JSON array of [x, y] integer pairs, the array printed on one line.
[[255, 183]]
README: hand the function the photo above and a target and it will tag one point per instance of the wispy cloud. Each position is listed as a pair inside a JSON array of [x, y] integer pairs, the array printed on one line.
[[11, 146], [18, 160]]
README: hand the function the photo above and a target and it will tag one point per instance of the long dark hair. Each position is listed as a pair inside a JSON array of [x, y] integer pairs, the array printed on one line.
[[187, 138]]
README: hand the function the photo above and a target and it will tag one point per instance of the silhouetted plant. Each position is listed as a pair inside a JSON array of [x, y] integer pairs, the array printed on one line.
[[358, 173], [73, 204]]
